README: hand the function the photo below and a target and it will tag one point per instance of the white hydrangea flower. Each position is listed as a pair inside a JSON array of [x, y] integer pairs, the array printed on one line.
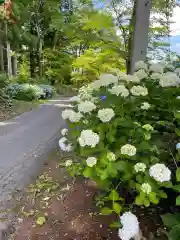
[[139, 91], [95, 85], [91, 161], [76, 117], [69, 147], [141, 74], [86, 107], [107, 79], [68, 163], [146, 188], [177, 70], [155, 75], [105, 114], [111, 156], [63, 146], [140, 65], [119, 90], [178, 97], [145, 106], [75, 99], [85, 93], [71, 115], [130, 226], [85, 121], [140, 167], [160, 172], [88, 138], [132, 78], [156, 68], [128, 149], [170, 67], [64, 131], [148, 127], [66, 113], [121, 75], [169, 79]]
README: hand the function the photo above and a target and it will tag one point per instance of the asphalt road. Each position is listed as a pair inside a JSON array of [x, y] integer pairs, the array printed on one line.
[[25, 143]]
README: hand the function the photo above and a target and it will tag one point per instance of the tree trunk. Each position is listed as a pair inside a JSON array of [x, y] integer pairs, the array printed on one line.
[[8, 53], [1, 57], [9, 63], [14, 65], [1, 51], [32, 63], [140, 36], [130, 40], [40, 58]]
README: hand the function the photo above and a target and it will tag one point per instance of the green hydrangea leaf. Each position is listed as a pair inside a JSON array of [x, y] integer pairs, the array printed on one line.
[[139, 201], [178, 174], [116, 224], [146, 202], [178, 201], [114, 196], [174, 234], [106, 211], [171, 220], [117, 207]]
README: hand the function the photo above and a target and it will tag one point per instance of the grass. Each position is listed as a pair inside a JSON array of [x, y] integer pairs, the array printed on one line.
[[17, 108]]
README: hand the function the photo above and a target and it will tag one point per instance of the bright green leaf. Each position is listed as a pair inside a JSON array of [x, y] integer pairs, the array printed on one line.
[[114, 196], [153, 198], [146, 203], [117, 207], [139, 201], [88, 172], [116, 224], [178, 174], [162, 194], [106, 211], [40, 220], [177, 131], [178, 201], [176, 188]]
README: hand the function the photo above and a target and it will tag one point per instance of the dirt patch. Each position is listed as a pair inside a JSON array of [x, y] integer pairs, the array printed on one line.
[[65, 207]]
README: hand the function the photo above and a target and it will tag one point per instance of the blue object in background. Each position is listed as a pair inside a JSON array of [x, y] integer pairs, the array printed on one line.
[[103, 98]]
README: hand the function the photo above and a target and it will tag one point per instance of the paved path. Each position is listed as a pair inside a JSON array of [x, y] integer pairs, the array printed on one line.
[[25, 143]]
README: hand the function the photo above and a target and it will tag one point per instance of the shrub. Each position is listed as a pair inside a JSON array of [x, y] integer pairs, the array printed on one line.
[[93, 62], [4, 99], [48, 90], [25, 92], [125, 130]]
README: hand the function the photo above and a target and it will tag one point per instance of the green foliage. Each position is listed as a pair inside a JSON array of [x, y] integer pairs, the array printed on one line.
[[172, 222], [57, 66], [3, 96], [93, 62], [23, 75]]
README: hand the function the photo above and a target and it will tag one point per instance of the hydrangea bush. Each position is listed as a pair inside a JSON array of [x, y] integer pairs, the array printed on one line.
[[125, 131], [30, 92]]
